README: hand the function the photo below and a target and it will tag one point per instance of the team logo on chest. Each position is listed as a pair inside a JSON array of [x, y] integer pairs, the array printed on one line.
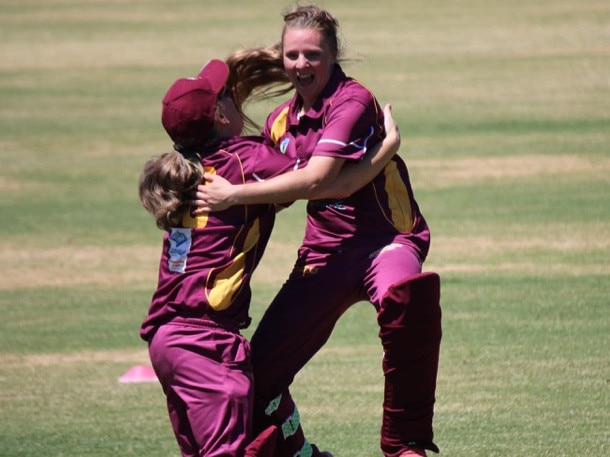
[[284, 145]]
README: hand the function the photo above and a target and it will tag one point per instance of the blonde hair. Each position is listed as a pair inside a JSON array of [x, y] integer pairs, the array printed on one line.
[[315, 18], [166, 185], [258, 73], [168, 181]]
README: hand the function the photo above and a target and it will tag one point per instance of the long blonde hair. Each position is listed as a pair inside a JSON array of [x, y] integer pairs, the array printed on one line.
[[258, 73], [166, 186], [168, 181]]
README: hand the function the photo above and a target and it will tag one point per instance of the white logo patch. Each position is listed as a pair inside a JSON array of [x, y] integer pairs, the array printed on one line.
[[179, 246]]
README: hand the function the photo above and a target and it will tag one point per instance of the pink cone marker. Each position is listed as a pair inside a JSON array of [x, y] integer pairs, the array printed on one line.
[[139, 373]]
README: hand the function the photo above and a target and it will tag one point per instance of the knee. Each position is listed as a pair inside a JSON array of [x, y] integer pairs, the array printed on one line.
[[412, 309]]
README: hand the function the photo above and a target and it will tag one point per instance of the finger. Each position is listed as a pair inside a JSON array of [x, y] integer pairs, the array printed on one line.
[[200, 211]]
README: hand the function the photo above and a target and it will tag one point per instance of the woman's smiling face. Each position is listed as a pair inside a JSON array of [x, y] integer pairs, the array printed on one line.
[[308, 61]]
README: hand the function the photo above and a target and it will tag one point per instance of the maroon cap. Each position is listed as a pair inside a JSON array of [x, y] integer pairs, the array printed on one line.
[[190, 104]]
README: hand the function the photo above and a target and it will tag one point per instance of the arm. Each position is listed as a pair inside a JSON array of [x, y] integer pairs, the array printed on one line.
[[354, 176], [218, 194], [310, 182]]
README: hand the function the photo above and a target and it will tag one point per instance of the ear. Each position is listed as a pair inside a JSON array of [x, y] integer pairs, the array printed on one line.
[[219, 116]]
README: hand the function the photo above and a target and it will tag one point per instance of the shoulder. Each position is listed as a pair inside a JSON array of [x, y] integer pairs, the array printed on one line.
[[352, 102], [253, 151], [345, 89], [244, 142], [280, 111], [352, 91], [277, 122], [236, 157], [240, 146]]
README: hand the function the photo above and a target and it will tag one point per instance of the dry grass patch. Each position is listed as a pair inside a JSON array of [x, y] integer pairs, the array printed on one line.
[[481, 254], [443, 173], [13, 361], [69, 266], [551, 241], [29, 267], [13, 185], [529, 268], [276, 263]]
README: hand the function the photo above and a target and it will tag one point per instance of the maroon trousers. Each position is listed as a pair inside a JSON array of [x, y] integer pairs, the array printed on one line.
[[303, 314], [410, 332], [206, 375]]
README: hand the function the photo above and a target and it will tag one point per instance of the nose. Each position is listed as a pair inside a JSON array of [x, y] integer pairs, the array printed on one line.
[[302, 61]]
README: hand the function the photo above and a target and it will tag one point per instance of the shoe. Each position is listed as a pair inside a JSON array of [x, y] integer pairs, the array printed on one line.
[[326, 454], [414, 452]]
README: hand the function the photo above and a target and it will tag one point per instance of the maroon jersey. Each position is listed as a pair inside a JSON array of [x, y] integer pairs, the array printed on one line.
[[344, 122], [207, 261]]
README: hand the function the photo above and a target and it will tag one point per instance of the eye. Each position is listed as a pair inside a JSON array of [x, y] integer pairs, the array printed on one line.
[[313, 55], [291, 55]]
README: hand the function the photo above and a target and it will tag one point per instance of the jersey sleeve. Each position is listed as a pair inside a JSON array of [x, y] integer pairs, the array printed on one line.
[[351, 127], [269, 162]]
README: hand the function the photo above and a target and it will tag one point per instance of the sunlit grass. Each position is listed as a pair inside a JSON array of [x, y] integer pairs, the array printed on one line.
[[503, 110]]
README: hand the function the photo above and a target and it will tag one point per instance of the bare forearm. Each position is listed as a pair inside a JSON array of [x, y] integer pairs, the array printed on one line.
[[301, 184], [281, 189]]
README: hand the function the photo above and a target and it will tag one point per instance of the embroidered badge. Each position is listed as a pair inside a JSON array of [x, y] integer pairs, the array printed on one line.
[[179, 247], [284, 145]]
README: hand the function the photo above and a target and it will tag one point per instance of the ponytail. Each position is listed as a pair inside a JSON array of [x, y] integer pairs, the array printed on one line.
[[256, 74]]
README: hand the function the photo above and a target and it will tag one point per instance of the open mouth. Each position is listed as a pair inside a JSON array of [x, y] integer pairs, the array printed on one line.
[[305, 80]]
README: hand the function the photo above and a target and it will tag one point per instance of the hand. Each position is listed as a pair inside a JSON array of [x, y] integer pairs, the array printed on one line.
[[214, 195], [392, 133]]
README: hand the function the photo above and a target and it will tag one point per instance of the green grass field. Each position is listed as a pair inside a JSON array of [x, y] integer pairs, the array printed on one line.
[[504, 109]]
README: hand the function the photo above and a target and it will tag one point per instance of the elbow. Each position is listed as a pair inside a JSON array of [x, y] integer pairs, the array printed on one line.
[[319, 181], [317, 186], [315, 190], [337, 190]]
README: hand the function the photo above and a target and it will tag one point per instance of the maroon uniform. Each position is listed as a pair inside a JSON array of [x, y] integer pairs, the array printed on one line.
[[201, 302], [367, 247]]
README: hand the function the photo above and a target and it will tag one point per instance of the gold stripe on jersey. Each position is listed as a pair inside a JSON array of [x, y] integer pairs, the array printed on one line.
[[278, 128], [198, 221], [229, 281], [399, 203]]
